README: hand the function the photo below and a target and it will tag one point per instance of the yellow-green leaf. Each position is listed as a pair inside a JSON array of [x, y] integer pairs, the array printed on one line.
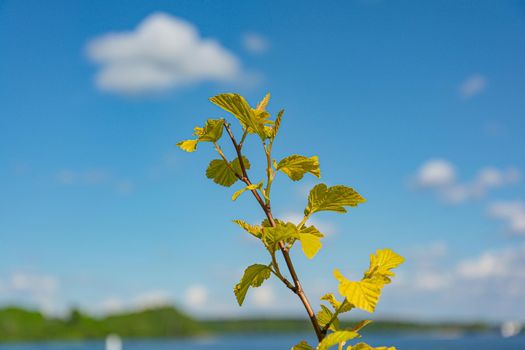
[[336, 338], [345, 306], [211, 132], [282, 232], [254, 276], [310, 244], [237, 105], [252, 229], [303, 345], [363, 294], [334, 198], [382, 263], [361, 325], [224, 173], [295, 166], [247, 188], [261, 106], [324, 316], [188, 145]]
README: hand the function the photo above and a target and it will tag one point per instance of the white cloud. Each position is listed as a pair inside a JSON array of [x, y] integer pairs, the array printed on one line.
[[440, 176], [163, 52], [435, 173], [255, 43], [40, 290], [196, 296], [263, 296], [512, 212], [472, 86], [142, 301]]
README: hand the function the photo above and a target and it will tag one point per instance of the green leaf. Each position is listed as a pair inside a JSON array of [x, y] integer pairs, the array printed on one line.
[[237, 105], [188, 145], [282, 232], [247, 188], [363, 294], [221, 172], [261, 106], [303, 345], [254, 276], [336, 338], [324, 316], [211, 132], [336, 304], [382, 263], [323, 198], [252, 229], [295, 166]]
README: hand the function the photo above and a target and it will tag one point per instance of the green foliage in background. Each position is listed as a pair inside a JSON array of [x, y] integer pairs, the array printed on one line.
[[276, 235]]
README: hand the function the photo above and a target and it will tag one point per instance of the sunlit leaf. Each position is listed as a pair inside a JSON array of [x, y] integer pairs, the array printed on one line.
[[361, 325], [382, 263], [261, 106], [310, 244], [252, 229], [334, 198], [188, 145], [247, 188], [254, 276], [223, 174], [282, 232], [363, 346], [211, 132], [345, 306], [336, 338], [295, 166], [237, 105], [324, 316], [363, 294]]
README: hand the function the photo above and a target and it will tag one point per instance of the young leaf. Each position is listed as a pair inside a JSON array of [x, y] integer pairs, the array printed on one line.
[[363, 346], [336, 338], [254, 276], [252, 229], [295, 166], [188, 145], [261, 106], [310, 244], [221, 172], [382, 263], [324, 316], [363, 294], [323, 198], [303, 345], [282, 232], [237, 105], [345, 306], [211, 132], [247, 188]]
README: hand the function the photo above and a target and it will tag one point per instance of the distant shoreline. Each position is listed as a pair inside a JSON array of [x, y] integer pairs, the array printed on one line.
[[22, 325]]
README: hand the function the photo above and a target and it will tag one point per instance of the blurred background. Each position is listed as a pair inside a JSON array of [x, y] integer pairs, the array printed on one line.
[[418, 105]]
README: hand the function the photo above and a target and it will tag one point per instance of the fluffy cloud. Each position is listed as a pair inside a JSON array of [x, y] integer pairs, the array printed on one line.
[[472, 86], [493, 278], [439, 176], [163, 52], [255, 43], [263, 296], [511, 212], [196, 296], [35, 289]]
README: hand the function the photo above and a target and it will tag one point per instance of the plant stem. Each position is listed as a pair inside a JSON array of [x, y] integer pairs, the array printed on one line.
[[298, 289]]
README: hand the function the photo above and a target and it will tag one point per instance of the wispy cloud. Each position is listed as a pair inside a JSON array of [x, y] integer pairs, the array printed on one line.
[[473, 85], [511, 212], [255, 43], [440, 177], [196, 296], [95, 177], [163, 52]]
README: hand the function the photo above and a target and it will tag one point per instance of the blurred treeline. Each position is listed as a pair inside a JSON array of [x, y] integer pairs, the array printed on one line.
[[17, 324]]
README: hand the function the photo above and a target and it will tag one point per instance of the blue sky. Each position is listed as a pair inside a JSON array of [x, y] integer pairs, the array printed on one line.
[[418, 105]]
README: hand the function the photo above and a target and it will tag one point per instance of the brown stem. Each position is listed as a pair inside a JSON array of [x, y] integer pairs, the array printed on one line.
[[298, 289]]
